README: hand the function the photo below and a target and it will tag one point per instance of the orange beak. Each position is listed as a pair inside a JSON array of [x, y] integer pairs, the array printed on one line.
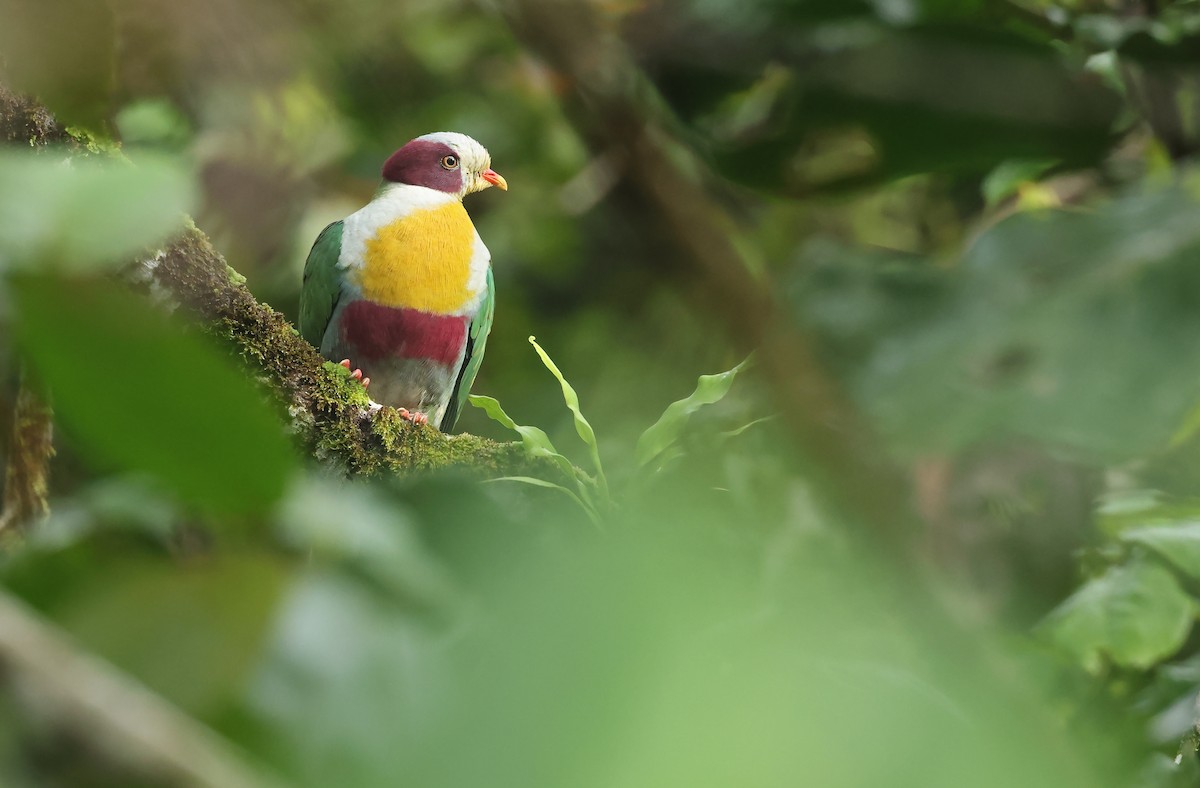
[[495, 179]]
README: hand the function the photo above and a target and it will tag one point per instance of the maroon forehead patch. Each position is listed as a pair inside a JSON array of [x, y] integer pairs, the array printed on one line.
[[378, 332], [419, 163]]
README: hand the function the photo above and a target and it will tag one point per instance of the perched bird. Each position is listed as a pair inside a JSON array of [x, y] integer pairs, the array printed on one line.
[[403, 287]]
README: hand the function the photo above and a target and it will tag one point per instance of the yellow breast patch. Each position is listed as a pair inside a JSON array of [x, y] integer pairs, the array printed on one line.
[[422, 261]]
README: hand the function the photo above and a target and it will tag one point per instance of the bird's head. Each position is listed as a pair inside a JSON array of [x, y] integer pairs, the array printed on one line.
[[446, 161]]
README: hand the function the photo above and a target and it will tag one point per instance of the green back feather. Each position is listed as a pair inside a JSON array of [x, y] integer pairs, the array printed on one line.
[[477, 335], [322, 284]]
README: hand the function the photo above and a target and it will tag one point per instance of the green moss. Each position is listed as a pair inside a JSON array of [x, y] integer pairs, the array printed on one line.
[[94, 144], [349, 390]]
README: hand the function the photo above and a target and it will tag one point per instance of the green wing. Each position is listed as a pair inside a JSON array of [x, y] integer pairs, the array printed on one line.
[[322, 284], [477, 336]]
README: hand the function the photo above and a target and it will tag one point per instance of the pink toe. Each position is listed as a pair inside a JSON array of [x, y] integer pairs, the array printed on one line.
[[413, 416]]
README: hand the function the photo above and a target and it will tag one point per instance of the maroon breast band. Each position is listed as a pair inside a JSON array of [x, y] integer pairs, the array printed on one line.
[[379, 332]]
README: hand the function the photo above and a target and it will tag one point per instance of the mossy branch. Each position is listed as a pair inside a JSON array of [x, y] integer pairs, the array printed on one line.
[[329, 411]]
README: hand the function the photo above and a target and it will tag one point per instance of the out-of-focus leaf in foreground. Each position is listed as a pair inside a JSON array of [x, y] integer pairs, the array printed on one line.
[[189, 632], [197, 633], [1076, 329], [79, 213], [653, 658], [138, 393], [358, 528]]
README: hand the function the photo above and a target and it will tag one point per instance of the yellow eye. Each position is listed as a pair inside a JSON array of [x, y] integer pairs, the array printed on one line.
[[450, 162]]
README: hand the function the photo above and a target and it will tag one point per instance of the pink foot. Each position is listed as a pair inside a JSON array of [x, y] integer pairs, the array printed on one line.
[[357, 374], [413, 416]]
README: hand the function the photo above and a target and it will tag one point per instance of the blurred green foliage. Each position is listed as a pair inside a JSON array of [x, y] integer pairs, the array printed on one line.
[[1051, 328], [58, 215], [138, 393], [983, 214]]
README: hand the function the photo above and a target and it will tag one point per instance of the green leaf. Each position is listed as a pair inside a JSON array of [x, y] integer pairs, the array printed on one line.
[[81, 213], [1178, 544], [710, 389], [535, 482], [582, 427], [135, 392], [491, 406], [536, 441], [1135, 615]]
